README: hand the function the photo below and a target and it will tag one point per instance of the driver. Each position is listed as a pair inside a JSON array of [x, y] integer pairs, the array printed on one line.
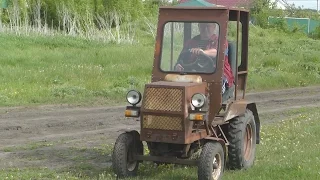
[[207, 42]]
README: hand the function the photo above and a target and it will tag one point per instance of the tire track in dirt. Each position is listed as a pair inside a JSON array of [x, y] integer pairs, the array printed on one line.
[[27, 124], [273, 106], [87, 127]]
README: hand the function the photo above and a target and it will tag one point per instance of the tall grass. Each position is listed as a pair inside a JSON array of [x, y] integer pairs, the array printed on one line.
[[280, 60], [108, 28]]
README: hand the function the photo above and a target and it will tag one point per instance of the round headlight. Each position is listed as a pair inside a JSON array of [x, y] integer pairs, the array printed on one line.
[[198, 100], [133, 97]]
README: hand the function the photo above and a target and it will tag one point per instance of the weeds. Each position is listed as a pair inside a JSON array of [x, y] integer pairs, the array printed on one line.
[[109, 28]]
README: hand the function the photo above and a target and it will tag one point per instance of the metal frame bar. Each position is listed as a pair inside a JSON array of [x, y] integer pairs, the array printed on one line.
[[166, 160], [171, 54]]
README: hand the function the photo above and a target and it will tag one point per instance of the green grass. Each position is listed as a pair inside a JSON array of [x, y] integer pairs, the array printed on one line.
[[279, 60], [288, 150], [52, 70], [38, 70]]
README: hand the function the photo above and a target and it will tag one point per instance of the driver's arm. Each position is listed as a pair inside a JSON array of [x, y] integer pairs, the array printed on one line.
[[210, 52]]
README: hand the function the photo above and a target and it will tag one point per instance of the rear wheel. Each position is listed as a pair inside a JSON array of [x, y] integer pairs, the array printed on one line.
[[242, 139], [127, 145], [211, 162]]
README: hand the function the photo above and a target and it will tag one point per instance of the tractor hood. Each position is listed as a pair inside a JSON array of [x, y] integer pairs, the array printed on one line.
[[165, 107]]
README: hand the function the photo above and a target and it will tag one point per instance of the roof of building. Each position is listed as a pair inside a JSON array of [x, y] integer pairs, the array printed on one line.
[[197, 3], [227, 3]]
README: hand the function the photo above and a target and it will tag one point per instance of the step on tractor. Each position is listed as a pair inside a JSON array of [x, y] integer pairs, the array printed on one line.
[[188, 114]]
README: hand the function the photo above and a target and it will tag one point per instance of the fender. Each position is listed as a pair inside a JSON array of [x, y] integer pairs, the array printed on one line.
[[137, 141], [238, 108], [135, 134], [253, 108]]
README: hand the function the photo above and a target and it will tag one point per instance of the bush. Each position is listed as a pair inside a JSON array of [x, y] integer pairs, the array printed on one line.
[[260, 12], [280, 24], [316, 33]]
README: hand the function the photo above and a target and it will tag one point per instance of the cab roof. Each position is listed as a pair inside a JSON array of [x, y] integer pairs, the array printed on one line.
[[201, 4]]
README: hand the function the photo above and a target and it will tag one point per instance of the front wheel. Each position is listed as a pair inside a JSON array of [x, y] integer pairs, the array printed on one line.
[[126, 146], [211, 162]]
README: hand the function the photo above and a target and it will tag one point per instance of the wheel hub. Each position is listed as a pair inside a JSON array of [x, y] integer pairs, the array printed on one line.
[[217, 166], [248, 142], [131, 164]]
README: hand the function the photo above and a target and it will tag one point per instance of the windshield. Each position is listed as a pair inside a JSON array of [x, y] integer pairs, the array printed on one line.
[[189, 47]]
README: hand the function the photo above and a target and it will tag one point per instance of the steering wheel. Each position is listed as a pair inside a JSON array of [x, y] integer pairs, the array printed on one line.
[[202, 63]]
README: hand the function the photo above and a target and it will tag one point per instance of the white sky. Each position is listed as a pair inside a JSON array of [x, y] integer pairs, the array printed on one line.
[[307, 4], [310, 4]]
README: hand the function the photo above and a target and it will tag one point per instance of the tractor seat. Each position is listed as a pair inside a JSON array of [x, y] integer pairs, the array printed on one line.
[[232, 47]]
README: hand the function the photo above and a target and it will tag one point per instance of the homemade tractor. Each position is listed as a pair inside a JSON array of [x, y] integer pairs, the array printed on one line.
[[184, 113]]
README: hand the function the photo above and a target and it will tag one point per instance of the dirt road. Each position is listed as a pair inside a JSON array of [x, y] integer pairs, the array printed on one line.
[[61, 136]]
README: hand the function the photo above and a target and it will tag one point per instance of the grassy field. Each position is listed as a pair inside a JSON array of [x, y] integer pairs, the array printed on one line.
[[288, 150], [279, 60], [63, 70], [52, 70]]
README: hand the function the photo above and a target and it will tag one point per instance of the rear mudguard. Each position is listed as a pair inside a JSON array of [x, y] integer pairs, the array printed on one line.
[[238, 108]]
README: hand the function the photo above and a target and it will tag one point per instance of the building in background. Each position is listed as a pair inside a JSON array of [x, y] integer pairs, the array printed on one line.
[[228, 3]]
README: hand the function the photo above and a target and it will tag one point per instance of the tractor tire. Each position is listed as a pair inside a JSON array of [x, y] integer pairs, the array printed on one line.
[[242, 138], [125, 147], [211, 161]]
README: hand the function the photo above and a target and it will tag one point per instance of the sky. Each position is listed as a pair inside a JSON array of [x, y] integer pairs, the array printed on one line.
[[307, 4], [310, 4]]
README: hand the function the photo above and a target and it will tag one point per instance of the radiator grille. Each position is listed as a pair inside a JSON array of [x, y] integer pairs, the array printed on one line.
[[163, 99], [162, 122]]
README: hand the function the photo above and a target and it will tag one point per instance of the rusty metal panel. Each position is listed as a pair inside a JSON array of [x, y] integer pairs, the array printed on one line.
[[163, 99], [235, 109], [162, 122], [165, 136], [215, 100], [241, 83], [171, 136]]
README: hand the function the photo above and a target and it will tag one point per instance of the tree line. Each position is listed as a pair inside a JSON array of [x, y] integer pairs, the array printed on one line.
[[50, 10], [55, 13]]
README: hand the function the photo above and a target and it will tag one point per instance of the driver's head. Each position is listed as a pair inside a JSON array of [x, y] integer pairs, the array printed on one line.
[[206, 30]]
